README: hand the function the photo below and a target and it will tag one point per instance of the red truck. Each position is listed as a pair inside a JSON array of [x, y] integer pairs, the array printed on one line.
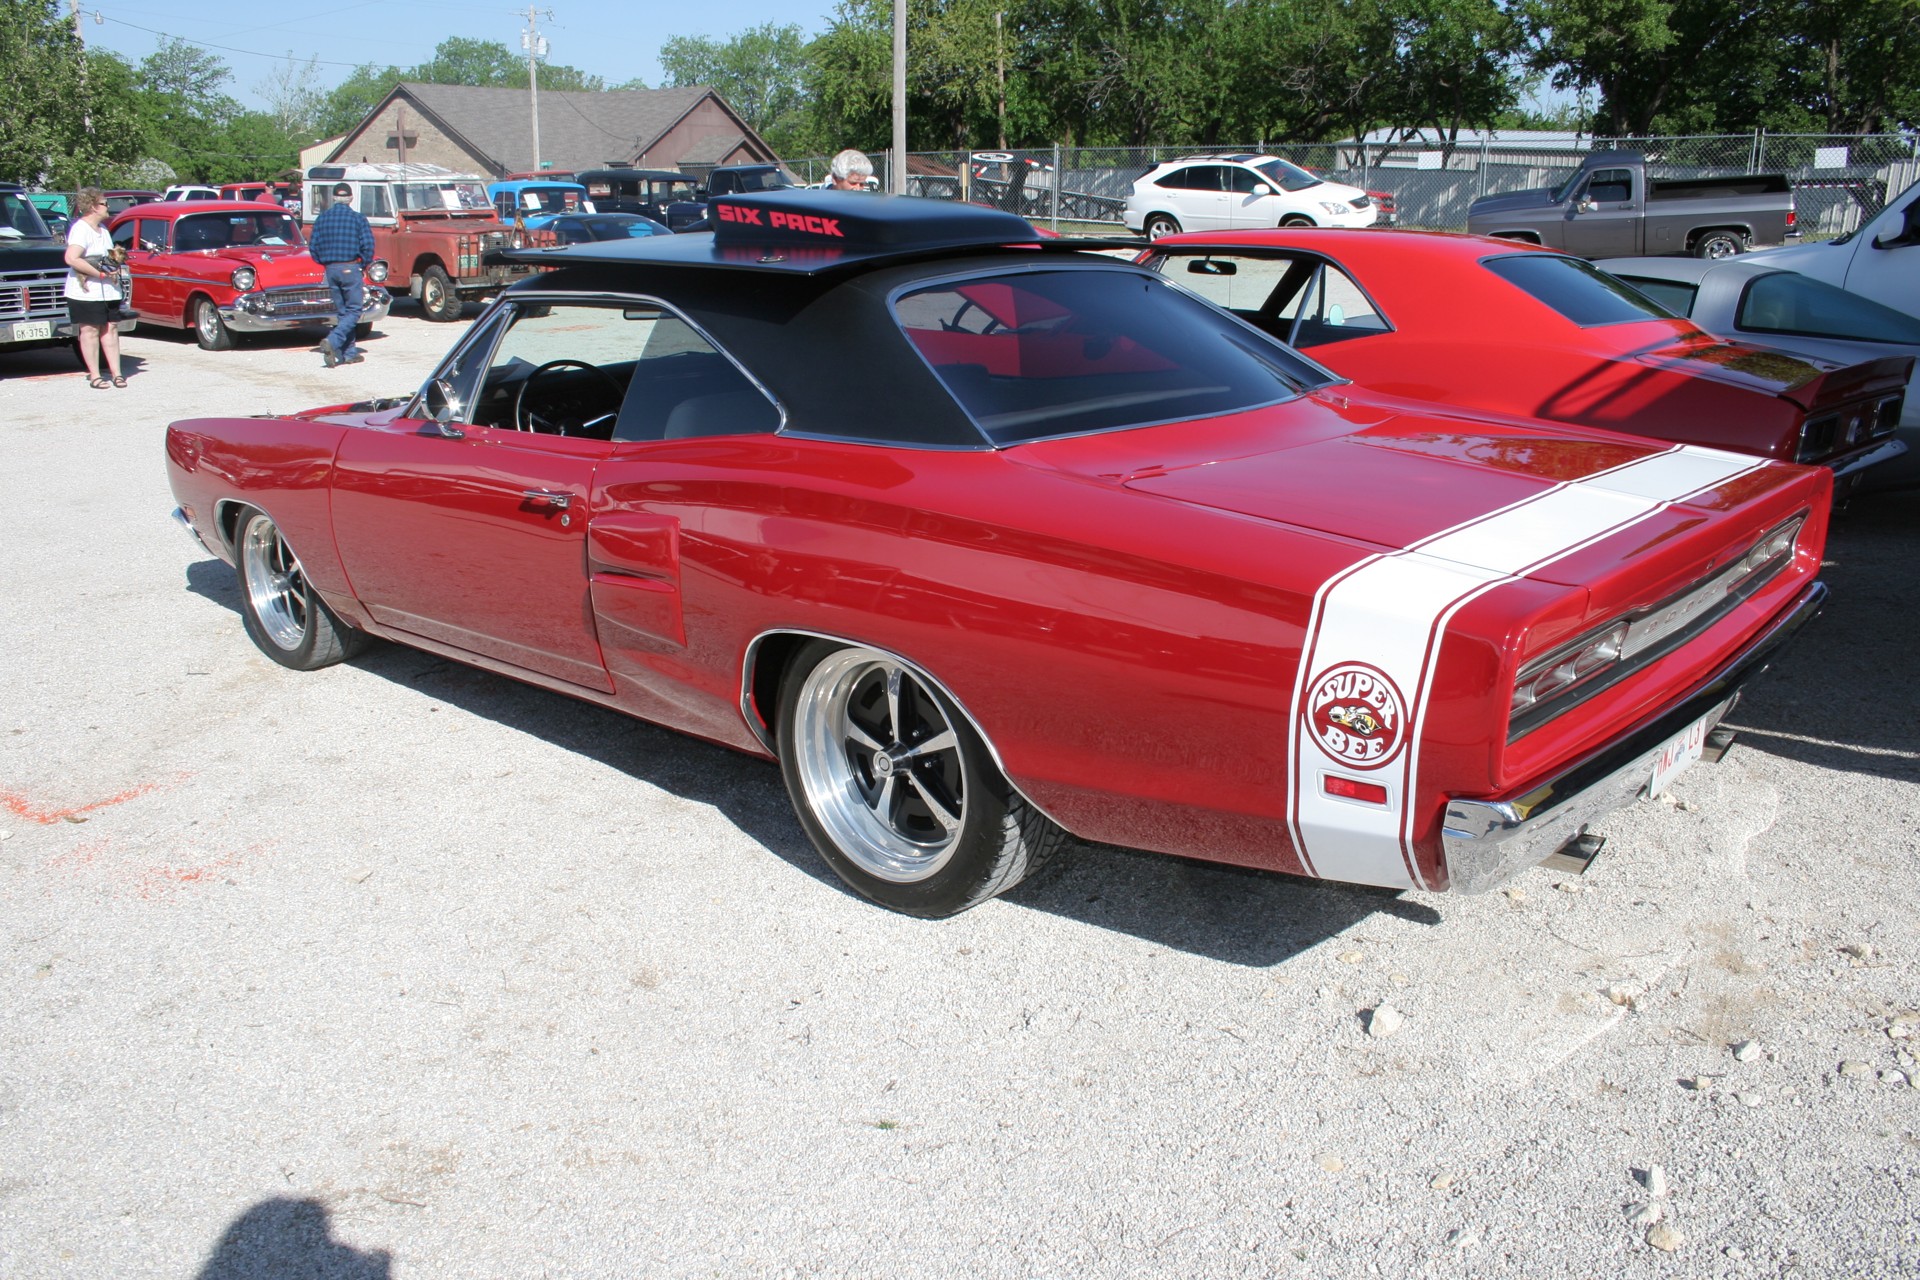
[[432, 226]]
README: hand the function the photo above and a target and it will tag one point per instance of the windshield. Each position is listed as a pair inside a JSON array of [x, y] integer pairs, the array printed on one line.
[[766, 180], [1288, 177], [416, 196], [548, 199], [267, 229], [1035, 354], [19, 219]]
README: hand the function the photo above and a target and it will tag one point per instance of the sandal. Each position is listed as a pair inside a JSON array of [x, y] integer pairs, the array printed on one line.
[[119, 381], [99, 384]]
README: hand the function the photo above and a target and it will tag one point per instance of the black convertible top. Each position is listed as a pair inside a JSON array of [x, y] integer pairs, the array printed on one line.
[[802, 231]]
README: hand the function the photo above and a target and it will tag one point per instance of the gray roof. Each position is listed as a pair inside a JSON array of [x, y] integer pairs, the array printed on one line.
[[577, 130]]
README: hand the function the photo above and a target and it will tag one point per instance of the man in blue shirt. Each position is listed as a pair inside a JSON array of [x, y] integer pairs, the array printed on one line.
[[342, 242]]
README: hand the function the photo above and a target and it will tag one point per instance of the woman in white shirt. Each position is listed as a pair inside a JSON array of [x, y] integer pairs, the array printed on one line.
[[93, 293]]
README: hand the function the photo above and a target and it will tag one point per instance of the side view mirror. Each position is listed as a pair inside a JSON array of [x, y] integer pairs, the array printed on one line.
[[443, 409], [1262, 189], [1586, 205]]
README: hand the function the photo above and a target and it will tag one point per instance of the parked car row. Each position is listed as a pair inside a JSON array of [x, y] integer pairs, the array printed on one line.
[[1091, 555]]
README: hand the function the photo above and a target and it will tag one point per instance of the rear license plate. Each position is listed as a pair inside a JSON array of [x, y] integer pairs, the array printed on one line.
[[33, 331], [1677, 755]]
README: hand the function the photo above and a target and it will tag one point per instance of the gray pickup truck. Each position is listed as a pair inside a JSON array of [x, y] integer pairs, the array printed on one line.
[[33, 278], [1611, 209]]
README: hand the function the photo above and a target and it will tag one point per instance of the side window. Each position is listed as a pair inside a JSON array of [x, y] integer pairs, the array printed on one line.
[[374, 201], [1182, 180], [123, 234], [1610, 186], [1243, 181], [601, 372], [1208, 177], [1335, 310], [153, 234]]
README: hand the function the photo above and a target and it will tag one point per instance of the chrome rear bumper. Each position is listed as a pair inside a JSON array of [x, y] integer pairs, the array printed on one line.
[[1487, 842]]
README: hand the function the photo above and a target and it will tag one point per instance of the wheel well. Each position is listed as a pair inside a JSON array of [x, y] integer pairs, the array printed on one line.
[[1298, 220], [767, 660], [193, 301], [226, 518], [1698, 233]]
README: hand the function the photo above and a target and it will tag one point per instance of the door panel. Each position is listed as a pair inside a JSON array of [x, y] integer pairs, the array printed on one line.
[[478, 542]]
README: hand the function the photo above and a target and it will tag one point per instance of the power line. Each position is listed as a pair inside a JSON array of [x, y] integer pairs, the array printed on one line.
[[251, 53]]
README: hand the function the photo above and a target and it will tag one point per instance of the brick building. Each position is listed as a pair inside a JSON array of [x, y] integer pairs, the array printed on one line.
[[489, 131]]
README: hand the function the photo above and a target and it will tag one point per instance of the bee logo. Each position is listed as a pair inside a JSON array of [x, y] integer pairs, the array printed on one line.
[[1356, 715]]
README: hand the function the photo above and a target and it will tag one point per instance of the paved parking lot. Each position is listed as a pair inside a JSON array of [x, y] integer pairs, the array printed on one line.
[[402, 969]]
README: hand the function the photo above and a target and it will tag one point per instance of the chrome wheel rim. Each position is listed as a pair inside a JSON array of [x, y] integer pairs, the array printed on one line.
[[1158, 228], [209, 322], [276, 585], [1721, 247], [881, 766]]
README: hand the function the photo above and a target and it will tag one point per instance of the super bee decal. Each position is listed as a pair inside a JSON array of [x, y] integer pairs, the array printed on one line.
[[1357, 715]]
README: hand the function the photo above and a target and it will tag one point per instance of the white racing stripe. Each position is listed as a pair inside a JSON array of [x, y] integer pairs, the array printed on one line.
[[1366, 671]]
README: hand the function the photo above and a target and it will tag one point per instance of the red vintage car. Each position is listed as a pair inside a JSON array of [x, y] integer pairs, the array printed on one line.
[[228, 267], [1502, 327], [988, 539]]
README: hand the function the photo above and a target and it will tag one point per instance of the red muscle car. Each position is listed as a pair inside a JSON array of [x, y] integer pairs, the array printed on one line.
[[988, 539], [1508, 328], [227, 267]]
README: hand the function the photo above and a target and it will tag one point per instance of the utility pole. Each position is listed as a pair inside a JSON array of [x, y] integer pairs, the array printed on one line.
[[1000, 71], [897, 170], [86, 115], [536, 46]]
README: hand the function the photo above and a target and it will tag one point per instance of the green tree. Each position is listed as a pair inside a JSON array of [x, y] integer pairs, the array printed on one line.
[[761, 73], [67, 113], [1856, 66], [348, 102]]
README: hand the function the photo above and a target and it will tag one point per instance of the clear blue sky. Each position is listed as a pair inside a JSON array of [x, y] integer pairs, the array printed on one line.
[[609, 38]]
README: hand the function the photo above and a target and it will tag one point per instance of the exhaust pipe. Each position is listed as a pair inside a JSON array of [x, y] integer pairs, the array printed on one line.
[[1576, 855]]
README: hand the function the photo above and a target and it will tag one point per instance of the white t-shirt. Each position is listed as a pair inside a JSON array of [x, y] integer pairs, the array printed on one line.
[[94, 242]]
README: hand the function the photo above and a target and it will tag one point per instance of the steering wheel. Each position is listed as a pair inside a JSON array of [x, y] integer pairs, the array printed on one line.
[[524, 419]]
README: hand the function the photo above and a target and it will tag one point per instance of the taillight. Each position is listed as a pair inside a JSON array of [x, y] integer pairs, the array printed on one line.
[[1793, 219]]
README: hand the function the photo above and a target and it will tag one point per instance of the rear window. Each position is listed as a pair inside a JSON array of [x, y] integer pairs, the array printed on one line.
[[1578, 290], [1035, 354], [1671, 294], [1786, 302]]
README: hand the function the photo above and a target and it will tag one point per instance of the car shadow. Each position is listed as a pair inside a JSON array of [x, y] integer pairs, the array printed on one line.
[[1841, 697], [281, 1237], [1233, 914]]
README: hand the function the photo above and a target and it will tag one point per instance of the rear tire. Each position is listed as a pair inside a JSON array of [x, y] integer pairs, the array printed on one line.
[[1720, 244], [438, 298], [896, 790], [1162, 224], [284, 615]]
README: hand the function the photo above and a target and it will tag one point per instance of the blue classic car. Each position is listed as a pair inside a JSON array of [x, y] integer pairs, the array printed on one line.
[[537, 201]]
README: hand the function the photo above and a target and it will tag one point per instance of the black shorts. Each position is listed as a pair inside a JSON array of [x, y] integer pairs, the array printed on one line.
[[93, 313]]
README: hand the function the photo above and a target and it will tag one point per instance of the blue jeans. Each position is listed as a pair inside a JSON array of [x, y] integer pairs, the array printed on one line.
[[349, 295]]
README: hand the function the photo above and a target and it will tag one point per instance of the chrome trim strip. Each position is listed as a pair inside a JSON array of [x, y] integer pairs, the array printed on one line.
[[765, 736], [1887, 452], [1487, 842], [180, 518]]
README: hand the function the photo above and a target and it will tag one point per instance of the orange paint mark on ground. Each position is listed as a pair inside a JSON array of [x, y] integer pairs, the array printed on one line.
[[26, 808], [164, 879]]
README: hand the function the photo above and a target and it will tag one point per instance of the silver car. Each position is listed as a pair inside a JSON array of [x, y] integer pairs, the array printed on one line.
[[1754, 301]]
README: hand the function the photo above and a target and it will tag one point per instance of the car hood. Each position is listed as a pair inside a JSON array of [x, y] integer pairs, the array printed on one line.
[[1369, 472], [1512, 202]]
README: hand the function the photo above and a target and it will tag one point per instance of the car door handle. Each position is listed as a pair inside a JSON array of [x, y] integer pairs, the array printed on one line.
[[557, 498]]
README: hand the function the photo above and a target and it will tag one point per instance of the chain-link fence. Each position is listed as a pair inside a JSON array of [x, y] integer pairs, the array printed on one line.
[[1838, 180]]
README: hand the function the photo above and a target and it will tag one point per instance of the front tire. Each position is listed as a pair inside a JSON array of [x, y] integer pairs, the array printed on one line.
[[438, 298], [1162, 224], [1720, 244], [284, 615], [1296, 220], [209, 330], [896, 790]]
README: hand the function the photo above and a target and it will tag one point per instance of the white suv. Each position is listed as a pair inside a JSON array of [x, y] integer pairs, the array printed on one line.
[[1232, 193]]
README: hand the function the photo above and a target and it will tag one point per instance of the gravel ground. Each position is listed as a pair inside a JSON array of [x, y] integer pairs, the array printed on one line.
[[402, 969]]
